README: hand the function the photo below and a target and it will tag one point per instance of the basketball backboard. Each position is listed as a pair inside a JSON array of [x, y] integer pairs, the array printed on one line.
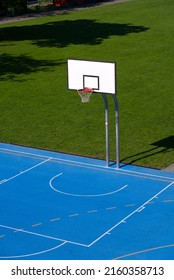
[[98, 75]]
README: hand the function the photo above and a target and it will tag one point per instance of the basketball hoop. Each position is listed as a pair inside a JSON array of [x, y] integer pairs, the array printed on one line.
[[85, 94]]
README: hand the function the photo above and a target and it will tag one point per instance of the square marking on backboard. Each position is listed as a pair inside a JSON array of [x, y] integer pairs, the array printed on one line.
[[91, 82]]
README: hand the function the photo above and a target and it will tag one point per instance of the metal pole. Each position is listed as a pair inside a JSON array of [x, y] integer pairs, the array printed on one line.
[[117, 131], [106, 128]]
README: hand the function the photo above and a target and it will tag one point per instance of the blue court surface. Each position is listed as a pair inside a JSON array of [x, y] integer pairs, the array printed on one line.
[[56, 206]]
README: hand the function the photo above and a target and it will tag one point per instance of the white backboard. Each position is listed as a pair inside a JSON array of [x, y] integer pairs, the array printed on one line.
[[99, 75]]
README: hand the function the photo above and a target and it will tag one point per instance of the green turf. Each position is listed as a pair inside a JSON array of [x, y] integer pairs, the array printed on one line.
[[36, 109]]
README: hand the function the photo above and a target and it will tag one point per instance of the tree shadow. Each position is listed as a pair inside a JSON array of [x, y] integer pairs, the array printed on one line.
[[161, 146], [12, 66], [67, 32]]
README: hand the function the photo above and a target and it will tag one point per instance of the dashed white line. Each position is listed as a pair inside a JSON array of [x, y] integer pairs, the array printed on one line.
[[132, 213], [18, 230], [111, 208], [73, 215], [55, 219], [92, 211], [169, 200], [36, 225]]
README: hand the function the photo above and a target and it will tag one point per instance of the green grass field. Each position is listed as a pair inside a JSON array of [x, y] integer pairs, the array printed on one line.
[[37, 110]]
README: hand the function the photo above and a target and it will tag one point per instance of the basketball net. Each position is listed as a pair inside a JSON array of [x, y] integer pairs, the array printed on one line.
[[85, 94]]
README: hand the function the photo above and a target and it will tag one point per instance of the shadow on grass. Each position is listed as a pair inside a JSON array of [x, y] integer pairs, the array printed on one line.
[[67, 32], [12, 66], [162, 146]]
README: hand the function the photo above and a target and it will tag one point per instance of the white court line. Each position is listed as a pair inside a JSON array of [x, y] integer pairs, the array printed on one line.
[[34, 254], [100, 167], [146, 174], [25, 171], [144, 251], [23, 153], [82, 195], [131, 214], [43, 235], [92, 165]]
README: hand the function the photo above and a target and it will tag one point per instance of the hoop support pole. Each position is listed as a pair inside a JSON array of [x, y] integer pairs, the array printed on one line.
[[117, 131], [106, 128]]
